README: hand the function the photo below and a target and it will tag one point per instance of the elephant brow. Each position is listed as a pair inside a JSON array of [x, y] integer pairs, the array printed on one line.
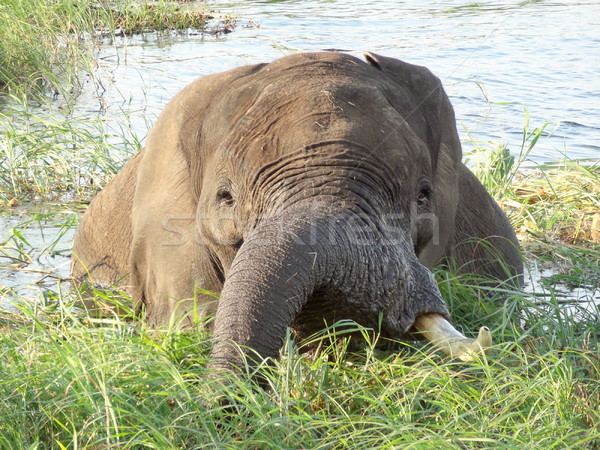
[[271, 168]]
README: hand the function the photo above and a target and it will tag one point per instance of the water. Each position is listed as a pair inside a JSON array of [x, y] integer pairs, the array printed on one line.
[[494, 59], [35, 252]]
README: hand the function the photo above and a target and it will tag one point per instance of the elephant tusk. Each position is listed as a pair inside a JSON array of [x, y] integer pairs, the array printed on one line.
[[441, 333]]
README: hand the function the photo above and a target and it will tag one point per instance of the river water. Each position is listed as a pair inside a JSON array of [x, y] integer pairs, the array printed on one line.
[[494, 58]]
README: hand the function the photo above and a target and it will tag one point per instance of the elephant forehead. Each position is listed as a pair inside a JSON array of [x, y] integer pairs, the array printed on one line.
[[289, 113], [257, 114]]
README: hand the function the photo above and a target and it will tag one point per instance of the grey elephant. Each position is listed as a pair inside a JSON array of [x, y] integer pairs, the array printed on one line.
[[312, 189]]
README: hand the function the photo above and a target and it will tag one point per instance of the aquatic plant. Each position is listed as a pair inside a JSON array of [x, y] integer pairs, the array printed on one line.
[[49, 155]]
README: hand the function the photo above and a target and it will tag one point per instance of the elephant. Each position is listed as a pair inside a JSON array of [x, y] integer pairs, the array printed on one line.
[[315, 188]]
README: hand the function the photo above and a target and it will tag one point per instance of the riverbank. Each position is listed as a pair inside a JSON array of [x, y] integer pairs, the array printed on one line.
[[51, 48]]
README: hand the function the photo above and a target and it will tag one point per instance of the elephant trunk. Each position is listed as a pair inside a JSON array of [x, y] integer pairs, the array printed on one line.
[[297, 265], [270, 279]]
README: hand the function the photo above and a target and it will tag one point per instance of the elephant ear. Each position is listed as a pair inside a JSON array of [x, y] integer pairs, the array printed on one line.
[[431, 117], [431, 103], [167, 261]]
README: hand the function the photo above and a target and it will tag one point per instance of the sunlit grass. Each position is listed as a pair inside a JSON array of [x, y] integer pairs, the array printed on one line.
[[47, 45], [46, 155], [70, 378], [74, 380], [555, 207]]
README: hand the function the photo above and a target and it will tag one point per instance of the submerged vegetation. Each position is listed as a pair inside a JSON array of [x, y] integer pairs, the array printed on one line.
[[71, 379]]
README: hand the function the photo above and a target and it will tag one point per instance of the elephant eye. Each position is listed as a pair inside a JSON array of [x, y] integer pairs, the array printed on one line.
[[424, 194], [224, 197]]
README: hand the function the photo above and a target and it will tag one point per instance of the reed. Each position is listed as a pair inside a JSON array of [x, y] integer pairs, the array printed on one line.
[[49, 155]]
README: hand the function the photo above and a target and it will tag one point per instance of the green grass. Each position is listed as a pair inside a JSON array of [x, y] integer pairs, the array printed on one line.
[[50, 155], [69, 378], [47, 44]]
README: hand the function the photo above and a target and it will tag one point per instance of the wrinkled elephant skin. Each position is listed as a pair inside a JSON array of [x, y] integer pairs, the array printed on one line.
[[316, 188]]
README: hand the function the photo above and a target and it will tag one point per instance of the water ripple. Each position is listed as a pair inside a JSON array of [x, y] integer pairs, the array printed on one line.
[[494, 58]]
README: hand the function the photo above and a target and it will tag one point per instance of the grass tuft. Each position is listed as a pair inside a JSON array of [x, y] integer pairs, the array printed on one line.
[[51, 156], [74, 380], [554, 207], [46, 44]]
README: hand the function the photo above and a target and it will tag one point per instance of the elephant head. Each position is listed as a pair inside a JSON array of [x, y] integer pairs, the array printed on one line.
[[312, 189]]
